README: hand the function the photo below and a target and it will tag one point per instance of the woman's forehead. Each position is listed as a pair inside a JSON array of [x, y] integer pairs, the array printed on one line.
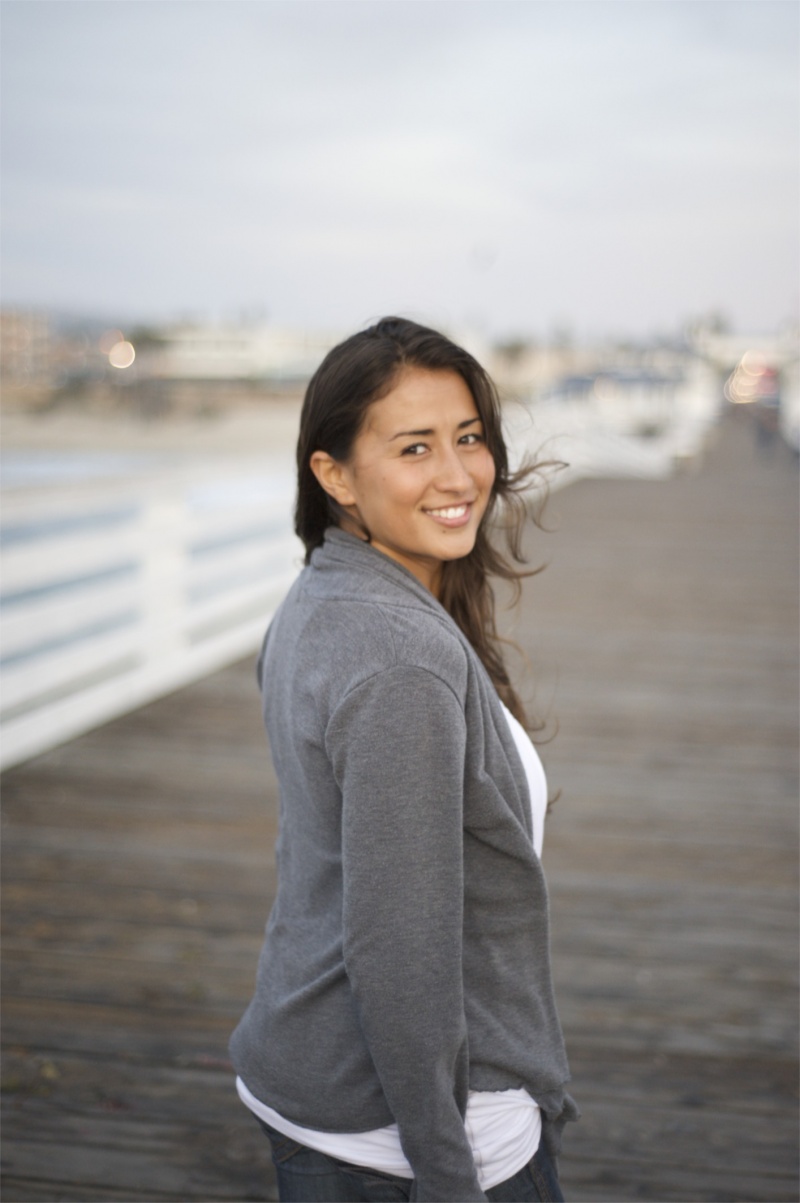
[[427, 399]]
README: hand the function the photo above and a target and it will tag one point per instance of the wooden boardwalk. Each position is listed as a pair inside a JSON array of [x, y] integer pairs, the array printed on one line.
[[137, 872]]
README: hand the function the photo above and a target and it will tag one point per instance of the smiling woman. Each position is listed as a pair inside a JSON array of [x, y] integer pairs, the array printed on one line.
[[402, 1041]]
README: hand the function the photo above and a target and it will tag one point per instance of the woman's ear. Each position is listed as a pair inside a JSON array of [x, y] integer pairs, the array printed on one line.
[[333, 476]]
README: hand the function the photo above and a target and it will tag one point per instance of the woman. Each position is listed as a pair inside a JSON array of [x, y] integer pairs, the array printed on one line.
[[403, 1041]]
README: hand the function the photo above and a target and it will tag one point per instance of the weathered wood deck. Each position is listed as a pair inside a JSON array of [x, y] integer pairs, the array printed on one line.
[[137, 875]]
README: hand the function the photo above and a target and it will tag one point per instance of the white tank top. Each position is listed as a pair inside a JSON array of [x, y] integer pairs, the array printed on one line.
[[503, 1126]]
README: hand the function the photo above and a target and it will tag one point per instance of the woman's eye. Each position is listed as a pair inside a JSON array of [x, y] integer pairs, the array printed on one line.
[[415, 449], [470, 439]]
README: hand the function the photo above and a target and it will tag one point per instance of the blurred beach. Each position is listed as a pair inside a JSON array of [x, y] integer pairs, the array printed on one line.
[[270, 423]]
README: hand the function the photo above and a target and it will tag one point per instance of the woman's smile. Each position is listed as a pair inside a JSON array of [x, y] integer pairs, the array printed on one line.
[[453, 515]]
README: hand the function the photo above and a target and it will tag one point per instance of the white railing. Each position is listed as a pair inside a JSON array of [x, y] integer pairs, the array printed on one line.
[[110, 601]]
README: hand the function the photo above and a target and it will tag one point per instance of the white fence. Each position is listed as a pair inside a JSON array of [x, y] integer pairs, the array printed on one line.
[[111, 600]]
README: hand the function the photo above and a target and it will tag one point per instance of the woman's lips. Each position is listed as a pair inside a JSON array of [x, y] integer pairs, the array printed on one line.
[[452, 515]]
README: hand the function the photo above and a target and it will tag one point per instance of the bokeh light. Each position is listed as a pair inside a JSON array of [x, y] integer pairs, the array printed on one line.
[[122, 354]]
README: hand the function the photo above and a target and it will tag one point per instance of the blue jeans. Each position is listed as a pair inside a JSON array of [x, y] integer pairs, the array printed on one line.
[[306, 1176]]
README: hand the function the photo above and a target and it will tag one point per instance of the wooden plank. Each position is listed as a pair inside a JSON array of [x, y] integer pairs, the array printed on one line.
[[133, 1030]]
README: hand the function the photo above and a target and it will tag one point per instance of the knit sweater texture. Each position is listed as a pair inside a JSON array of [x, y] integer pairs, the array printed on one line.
[[406, 958]]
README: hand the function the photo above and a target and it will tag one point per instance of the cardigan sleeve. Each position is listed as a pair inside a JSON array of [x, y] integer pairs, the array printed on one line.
[[397, 745]]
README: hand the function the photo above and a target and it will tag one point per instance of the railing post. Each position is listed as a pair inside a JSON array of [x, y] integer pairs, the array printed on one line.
[[164, 577]]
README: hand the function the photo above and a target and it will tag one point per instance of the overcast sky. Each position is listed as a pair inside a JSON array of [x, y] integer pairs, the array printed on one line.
[[612, 167]]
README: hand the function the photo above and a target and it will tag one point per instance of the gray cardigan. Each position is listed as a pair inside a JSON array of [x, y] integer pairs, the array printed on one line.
[[406, 957]]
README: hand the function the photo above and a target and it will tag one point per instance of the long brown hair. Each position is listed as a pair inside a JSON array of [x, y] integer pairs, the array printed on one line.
[[363, 369]]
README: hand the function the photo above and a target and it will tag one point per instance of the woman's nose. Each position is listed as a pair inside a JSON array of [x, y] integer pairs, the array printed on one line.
[[451, 475]]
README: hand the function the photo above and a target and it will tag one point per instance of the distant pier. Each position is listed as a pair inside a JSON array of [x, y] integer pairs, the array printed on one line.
[[138, 872]]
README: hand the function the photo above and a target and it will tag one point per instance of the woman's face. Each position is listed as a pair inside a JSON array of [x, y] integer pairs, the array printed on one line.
[[420, 475]]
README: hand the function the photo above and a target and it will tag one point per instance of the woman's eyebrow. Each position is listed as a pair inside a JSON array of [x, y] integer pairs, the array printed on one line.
[[404, 434]]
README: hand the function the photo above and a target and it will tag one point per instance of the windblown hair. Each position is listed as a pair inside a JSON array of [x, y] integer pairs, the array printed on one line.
[[364, 369]]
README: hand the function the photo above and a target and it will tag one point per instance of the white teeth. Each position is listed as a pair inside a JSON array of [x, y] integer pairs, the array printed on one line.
[[453, 511]]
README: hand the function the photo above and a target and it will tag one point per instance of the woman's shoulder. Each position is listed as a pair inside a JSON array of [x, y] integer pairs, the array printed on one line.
[[359, 625], [398, 631]]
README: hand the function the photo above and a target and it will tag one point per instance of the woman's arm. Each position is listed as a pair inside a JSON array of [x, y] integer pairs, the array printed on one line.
[[397, 745]]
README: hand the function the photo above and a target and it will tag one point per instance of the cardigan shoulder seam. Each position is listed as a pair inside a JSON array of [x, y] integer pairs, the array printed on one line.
[[401, 666]]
